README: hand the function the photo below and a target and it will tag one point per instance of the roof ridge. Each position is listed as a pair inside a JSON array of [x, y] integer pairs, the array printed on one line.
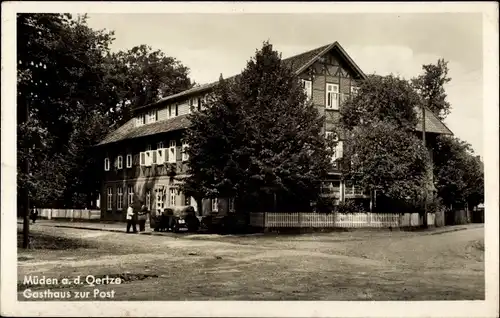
[[208, 85]]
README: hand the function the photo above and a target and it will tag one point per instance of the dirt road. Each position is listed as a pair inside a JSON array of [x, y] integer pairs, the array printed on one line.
[[336, 266]]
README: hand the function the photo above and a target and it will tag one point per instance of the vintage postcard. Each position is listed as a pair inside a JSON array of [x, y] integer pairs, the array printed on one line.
[[245, 159]]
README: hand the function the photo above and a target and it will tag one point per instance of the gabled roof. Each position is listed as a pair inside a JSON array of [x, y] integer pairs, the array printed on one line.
[[129, 131], [298, 63], [432, 123]]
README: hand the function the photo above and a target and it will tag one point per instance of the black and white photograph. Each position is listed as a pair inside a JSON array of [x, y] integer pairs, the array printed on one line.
[[250, 159]]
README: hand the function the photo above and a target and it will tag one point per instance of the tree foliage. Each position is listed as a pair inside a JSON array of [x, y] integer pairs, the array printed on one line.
[[382, 151], [141, 75], [382, 98], [258, 137], [459, 174], [385, 158], [76, 91], [430, 86]]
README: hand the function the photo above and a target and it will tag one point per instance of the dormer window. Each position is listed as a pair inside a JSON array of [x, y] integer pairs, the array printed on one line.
[[194, 104], [152, 116], [173, 110]]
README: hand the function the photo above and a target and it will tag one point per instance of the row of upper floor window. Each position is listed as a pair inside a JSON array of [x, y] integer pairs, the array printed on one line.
[[333, 100], [333, 96], [150, 157], [171, 154], [171, 111]]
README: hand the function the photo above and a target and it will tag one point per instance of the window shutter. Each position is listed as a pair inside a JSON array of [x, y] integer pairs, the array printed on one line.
[[143, 158], [176, 110], [154, 157], [178, 153]]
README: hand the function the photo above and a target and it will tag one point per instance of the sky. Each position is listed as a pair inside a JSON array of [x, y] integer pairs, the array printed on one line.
[[382, 43]]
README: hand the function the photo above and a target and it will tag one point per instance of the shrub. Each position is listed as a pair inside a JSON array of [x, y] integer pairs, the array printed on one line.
[[349, 206]]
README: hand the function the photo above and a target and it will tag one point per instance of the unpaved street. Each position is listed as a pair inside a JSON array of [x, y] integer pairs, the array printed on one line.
[[360, 265]]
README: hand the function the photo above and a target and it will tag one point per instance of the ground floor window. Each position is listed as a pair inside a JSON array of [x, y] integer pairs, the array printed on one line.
[[159, 199], [215, 205], [187, 200], [172, 197], [231, 205], [331, 189], [109, 202], [352, 189], [119, 202]]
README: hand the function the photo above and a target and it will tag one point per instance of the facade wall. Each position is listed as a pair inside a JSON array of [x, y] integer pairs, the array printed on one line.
[[330, 71], [147, 179]]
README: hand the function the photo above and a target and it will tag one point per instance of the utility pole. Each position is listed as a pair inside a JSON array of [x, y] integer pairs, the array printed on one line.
[[26, 207], [426, 172]]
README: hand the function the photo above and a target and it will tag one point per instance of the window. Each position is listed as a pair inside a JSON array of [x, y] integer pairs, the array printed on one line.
[[109, 202], [187, 200], [331, 189], [200, 102], [130, 193], [149, 158], [142, 159], [332, 96], [171, 151], [338, 150], [129, 160], [173, 110], [352, 189], [215, 204], [148, 147], [119, 162], [152, 116], [106, 164], [307, 86], [172, 197], [330, 134], [159, 145], [159, 199], [354, 90], [231, 205], [148, 199], [194, 104], [119, 202], [334, 136], [160, 156], [185, 155]]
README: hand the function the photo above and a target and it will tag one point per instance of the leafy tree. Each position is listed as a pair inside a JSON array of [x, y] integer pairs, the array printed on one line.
[[459, 174], [380, 156], [382, 152], [76, 91], [140, 76], [259, 138], [430, 86], [382, 98]]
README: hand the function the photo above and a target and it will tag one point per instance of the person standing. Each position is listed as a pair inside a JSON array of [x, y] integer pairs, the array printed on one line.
[[34, 214], [142, 218], [131, 219]]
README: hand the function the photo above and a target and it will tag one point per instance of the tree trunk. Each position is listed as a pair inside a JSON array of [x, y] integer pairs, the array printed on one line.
[[26, 214]]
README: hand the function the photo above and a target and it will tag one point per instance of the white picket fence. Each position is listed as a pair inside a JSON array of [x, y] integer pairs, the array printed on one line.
[[341, 220], [72, 214]]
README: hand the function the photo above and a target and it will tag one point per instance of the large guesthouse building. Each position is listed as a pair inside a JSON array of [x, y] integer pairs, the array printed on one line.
[[144, 160]]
